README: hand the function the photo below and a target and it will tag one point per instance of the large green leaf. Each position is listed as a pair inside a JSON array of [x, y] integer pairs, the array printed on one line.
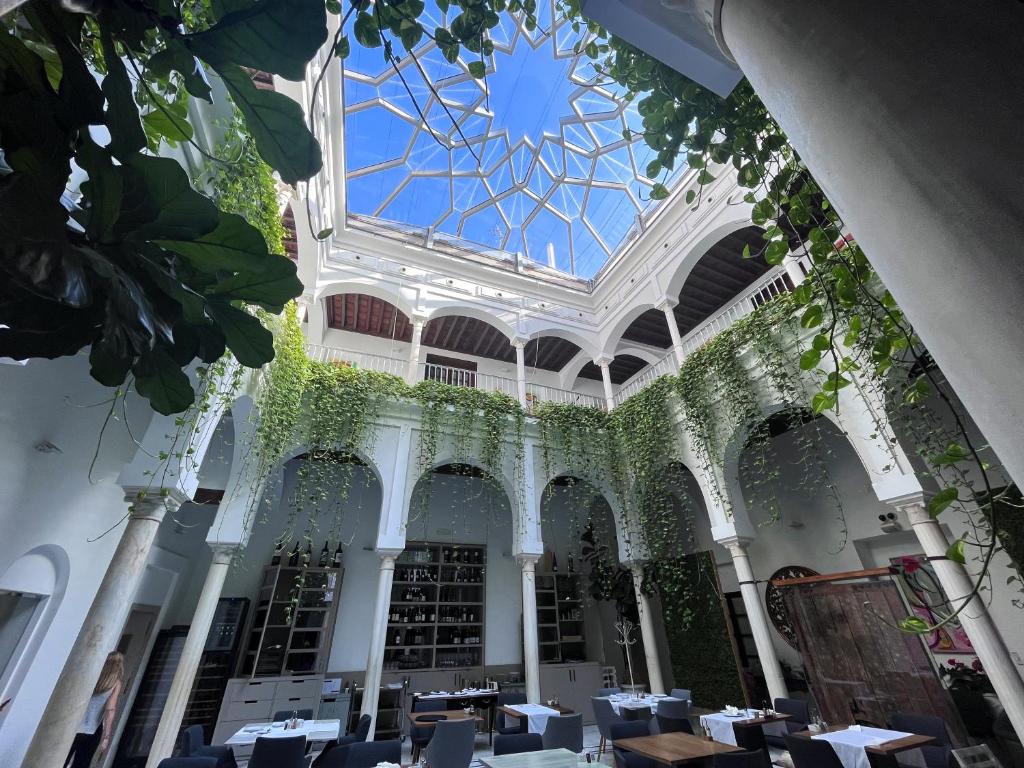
[[102, 192], [251, 343], [122, 117], [234, 245], [273, 287], [159, 202], [277, 125], [161, 380], [180, 59], [278, 36]]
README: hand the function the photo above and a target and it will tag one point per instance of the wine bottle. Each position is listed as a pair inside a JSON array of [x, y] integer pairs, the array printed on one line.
[[307, 557], [293, 558], [276, 559], [337, 557], [554, 563], [325, 556], [571, 565]]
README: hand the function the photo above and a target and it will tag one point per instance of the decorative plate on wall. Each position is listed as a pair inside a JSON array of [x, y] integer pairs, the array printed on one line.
[[775, 604]]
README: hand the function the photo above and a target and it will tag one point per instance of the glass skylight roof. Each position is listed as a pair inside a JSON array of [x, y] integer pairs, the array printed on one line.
[[532, 159]]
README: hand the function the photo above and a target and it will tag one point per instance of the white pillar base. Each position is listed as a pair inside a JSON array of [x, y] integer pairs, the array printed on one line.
[[98, 635], [758, 619], [654, 677], [185, 675], [378, 638], [975, 618], [531, 655]]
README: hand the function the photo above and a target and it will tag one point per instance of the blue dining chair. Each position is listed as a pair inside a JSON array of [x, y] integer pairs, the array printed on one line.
[[279, 752], [452, 745], [367, 754], [565, 732], [188, 762], [514, 743], [192, 746], [420, 737], [503, 723], [812, 753], [628, 730], [756, 759], [604, 715]]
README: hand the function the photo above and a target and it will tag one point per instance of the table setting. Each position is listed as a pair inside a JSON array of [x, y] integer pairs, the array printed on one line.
[[622, 701], [719, 725], [850, 745], [312, 730]]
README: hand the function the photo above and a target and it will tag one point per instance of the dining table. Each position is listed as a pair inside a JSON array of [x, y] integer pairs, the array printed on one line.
[[430, 719], [721, 726], [312, 730], [675, 748], [621, 701], [861, 746], [533, 716], [544, 758]]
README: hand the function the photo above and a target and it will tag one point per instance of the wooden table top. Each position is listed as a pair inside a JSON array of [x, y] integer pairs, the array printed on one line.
[[778, 717], [674, 748], [515, 713], [450, 714], [912, 741]]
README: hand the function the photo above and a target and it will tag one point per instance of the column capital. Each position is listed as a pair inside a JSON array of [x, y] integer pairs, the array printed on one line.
[[603, 361], [519, 342], [145, 501], [388, 556], [898, 489], [736, 545], [418, 317], [527, 560], [666, 303], [222, 551]]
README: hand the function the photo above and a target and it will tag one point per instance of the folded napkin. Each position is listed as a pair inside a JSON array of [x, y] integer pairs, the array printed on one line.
[[854, 728]]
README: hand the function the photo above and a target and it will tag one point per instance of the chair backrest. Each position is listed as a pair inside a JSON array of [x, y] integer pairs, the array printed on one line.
[[279, 752], [677, 708], [797, 709], [452, 744], [286, 714], [673, 724], [976, 757], [513, 743], [812, 753], [635, 713], [749, 737], [188, 762], [607, 691], [605, 715], [511, 697], [191, 740], [923, 725], [758, 758], [565, 732], [366, 754], [430, 705], [629, 729], [682, 693], [362, 728]]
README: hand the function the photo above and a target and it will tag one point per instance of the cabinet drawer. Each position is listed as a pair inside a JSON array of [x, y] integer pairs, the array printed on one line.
[[297, 702], [302, 688], [251, 690], [248, 711]]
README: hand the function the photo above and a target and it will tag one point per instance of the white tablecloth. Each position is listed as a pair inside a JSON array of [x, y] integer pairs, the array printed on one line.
[[536, 715], [849, 745], [313, 730], [621, 701], [720, 726]]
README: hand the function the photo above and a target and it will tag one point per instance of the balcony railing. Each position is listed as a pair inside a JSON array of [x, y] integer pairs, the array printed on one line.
[[363, 360], [461, 377], [667, 364], [535, 392]]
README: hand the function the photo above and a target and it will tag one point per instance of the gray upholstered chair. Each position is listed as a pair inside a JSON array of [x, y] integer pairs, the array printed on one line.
[[607, 691], [514, 743], [605, 716], [678, 709], [366, 754], [625, 758], [452, 745], [565, 732], [682, 693]]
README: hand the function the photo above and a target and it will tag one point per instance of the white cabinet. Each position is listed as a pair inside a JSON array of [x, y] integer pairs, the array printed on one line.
[[256, 700], [572, 685]]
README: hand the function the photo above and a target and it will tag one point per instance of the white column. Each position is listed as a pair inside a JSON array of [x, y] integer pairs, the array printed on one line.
[[673, 329], [191, 653], [606, 378], [520, 345], [99, 633], [531, 658], [975, 618], [879, 120], [378, 636], [792, 266], [647, 631], [757, 617], [413, 374]]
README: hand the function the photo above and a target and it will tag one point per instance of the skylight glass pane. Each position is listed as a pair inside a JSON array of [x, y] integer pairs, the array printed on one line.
[[507, 161]]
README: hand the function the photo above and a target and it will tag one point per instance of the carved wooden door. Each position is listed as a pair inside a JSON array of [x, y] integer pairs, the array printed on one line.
[[860, 666]]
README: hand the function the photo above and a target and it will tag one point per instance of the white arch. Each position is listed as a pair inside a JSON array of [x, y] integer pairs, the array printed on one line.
[[581, 341], [571, 370], [614, 334], [644, 353], [368, 287], [696, 251], [477, 313]]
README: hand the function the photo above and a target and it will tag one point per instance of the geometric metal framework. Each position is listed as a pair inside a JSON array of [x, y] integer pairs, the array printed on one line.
[[532, 159]]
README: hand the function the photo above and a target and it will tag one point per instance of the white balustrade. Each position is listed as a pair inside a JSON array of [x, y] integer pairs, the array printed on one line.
[[364, 360], [535, 392]]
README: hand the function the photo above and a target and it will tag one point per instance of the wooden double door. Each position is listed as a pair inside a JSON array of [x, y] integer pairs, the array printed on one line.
[[859, 665]]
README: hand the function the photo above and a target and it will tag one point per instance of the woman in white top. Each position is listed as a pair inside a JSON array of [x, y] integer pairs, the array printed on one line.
[[98, 725]]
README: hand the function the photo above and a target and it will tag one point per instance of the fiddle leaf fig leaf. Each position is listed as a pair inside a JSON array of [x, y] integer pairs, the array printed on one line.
[[122, 116], [277, 125], [278, 36], [275, 285], [161, 380], [250, 343], [234, 245]]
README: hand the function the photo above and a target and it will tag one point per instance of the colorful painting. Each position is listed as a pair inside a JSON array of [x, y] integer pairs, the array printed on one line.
[[927, 599]]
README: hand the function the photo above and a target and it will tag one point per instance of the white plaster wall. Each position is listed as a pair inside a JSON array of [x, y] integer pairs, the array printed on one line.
[[49, 499]]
